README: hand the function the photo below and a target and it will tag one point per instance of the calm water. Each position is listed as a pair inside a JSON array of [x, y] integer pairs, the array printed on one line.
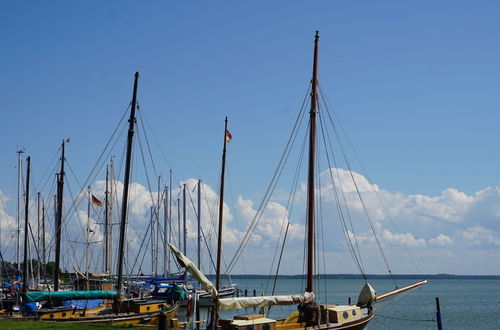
[[465, 304]]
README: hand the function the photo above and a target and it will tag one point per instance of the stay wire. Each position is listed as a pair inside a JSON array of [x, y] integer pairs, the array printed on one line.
[[147, 240], [270, 188], [201, 229], [356, 256], [147, 143], [145, 121], [362, 200], [322, 228], [289, 209], [355, 253], [145, 170], [70, 209], [325, 99]]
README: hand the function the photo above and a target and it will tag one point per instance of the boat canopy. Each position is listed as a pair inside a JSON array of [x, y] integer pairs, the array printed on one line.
[[68, 295], [193, 270], [255, 302]]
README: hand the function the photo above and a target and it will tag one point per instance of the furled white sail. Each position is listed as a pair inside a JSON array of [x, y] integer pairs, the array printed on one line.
[[367, 295], [254, 302], [193, 270]]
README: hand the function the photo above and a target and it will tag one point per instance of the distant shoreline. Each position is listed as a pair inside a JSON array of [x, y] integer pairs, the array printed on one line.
[[372, 276]]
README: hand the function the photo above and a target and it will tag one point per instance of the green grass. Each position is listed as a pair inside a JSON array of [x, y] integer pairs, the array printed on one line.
[[24, 324]]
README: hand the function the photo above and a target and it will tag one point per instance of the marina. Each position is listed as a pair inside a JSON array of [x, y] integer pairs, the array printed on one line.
[[250, 166]]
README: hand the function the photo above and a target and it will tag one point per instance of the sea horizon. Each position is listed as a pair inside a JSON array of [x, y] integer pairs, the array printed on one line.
[[370, 276]]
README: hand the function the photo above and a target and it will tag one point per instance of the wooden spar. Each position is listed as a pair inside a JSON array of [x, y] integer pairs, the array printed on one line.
[[184, 230], [166, 232], [215, 315], [169, 217], [158, 207], [152, 234], [44, 259], [87, 240], [38, 232], [60, 190], [179, 221], [110, 213], [126, 183], [26, 209], [406, 288], [106, 223], [19, 169], [199, 224], [310, 179]]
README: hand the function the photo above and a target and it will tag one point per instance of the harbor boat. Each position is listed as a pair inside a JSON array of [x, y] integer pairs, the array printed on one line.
[[116, 309], [310, 312]]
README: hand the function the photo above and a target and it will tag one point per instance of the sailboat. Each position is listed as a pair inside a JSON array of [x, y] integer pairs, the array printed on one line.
[[309, 312], [121, 311]]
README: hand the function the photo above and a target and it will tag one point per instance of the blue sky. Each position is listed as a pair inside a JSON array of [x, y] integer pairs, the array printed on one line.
[[415, 85]]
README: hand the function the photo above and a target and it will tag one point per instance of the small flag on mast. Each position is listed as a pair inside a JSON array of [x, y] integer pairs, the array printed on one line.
[[95, 201], [228, 136]]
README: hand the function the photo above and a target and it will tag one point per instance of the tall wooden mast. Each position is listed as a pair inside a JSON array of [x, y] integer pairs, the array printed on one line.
[[26, 209], [18, 242], [184, 230], [106, 224], [199, 224], [310, 179], [60, 190], [215, 315], [166, 233], [126, 182]]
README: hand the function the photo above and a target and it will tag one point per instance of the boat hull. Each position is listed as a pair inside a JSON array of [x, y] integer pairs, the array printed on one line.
[[359, 324], [295, 321], [122, 319]]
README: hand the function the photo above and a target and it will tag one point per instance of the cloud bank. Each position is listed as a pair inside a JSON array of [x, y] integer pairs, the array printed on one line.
[[449, 233]]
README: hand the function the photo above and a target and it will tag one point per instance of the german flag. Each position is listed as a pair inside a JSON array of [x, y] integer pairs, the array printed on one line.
[[229, 137], [95, 201]]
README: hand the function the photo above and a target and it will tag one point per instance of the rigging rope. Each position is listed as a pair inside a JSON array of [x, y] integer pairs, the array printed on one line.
[[269, 190], [288, 211], [360, 197], [365, 173], [201, 230], [353, 248]]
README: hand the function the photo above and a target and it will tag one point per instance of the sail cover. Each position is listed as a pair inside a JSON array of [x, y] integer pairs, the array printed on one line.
[[254, 302], [367, 295], [193, 270], [68, 295]]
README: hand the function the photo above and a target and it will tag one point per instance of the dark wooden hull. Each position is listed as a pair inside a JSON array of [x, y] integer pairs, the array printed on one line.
[[150, 318], [354, 325]]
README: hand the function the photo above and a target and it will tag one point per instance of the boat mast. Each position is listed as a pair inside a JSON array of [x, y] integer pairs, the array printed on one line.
[[19, 169], [179, 220], [26, 209], [152, 234], [158, 207], [60, 190], [184, 230], [87, 240], [110, 214], [166, 232], [106, 223], [310, 179], [199, 224], [123, 218], [38, 233], [215, 315], [44, 260], [170, 235]]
